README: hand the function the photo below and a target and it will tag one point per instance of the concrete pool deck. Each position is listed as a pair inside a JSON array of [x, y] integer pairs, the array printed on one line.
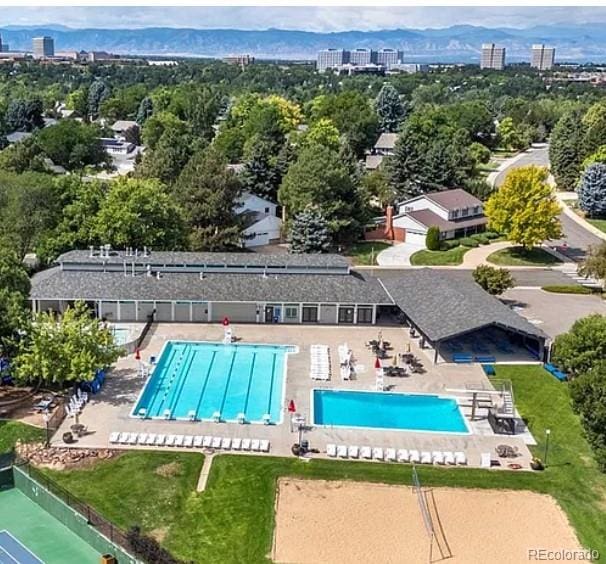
[[110, 410]]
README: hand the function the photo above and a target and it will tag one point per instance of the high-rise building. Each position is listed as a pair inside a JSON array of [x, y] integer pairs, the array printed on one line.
[[493, 57], [387, 57], [332, 59], [43, 47], [1, 49], [542, 57], [360, 57]]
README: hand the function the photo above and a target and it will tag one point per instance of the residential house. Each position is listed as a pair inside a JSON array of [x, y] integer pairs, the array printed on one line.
[[384, 147], [121, 126], [263, 225]]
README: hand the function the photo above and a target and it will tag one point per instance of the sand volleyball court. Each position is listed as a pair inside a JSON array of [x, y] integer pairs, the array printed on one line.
[[348, 522]]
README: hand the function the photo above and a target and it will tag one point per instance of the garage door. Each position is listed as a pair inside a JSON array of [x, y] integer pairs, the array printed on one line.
[[415, 238], [235, 312]]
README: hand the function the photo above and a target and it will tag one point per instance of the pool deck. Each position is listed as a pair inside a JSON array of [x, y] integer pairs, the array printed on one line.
[[110, 410]]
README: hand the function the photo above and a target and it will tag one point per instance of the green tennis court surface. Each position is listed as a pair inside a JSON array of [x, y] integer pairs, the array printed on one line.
[[40, 533]]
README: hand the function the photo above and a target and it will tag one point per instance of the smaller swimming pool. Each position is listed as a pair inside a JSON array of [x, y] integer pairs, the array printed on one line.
[[120, 335], [385, 410]]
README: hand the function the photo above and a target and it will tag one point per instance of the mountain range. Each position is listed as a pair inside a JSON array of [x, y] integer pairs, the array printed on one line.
[[459, 43]]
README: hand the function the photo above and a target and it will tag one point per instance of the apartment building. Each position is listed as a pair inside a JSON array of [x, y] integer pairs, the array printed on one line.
[[492, 57], [332, 59], [542, 58], [43, 47]]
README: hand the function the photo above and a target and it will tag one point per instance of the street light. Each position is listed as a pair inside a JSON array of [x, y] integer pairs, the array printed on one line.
[[547, 434]]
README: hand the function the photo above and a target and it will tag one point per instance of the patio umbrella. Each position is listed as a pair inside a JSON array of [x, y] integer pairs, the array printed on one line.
[[226, 321], [394, 361], [137, 354], [378, 363], [291, 406]]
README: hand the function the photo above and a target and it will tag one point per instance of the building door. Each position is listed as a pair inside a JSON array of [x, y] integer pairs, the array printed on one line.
[[269, 314]]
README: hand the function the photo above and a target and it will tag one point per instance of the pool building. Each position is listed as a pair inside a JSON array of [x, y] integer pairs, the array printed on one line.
[[194, 287]]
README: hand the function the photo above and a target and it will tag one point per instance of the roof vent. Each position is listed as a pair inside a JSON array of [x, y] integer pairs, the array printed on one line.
[[202, 275], [158, 275], [149, 272], [92, 251]]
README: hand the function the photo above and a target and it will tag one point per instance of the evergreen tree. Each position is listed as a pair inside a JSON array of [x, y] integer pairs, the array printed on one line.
[[208, 193], [592, 190], [97, 93], [145, 110], [567, 150], [308, 232], [167, 159], [24, 115], [261, 175], [389, 108]]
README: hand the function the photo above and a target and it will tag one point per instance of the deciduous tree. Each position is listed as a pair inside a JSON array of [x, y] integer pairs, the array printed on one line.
[[494, 280]]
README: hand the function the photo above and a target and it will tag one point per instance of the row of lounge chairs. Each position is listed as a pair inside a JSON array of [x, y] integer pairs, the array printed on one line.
[[345, 362], [399, 455], [189, 441], [319, 362]]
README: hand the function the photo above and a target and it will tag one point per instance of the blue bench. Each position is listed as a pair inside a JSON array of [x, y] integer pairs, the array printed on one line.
[[555, 372], [462, 358], [486, 359], [488, 369]]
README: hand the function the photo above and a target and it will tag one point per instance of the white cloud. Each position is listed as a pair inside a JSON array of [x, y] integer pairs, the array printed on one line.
[[312, 18]]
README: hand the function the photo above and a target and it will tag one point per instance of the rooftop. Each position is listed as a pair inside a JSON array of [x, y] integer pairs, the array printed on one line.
[[430, 219], [386, 141], [453, 199]]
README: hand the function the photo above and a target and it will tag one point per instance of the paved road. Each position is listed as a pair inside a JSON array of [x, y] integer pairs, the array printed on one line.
[[576, 238], [529, 277]]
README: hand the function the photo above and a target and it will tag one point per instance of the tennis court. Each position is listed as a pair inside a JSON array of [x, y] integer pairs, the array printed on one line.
[[30, 535]]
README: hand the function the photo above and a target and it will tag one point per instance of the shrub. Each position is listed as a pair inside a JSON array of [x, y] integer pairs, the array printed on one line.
[[566, 289], [494, 280], [480, 238], [432, 240], [469, 242], [491, 235], [449, 244]]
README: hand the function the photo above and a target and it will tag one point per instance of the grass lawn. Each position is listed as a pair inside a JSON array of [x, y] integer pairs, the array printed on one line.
[[11, 431], [365, 252], [567, 289], [518, 256], [233, 520], [439, 258], [599, 223]]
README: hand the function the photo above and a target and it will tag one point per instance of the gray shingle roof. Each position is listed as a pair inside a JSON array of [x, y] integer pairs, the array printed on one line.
[[442, 306], [339, 288], [454, 199], [429, 219]]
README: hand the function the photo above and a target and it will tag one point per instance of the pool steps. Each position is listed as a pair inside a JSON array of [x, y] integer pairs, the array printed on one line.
[[189, 441]]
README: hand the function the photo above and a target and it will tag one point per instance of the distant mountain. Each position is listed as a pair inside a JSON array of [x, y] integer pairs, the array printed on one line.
[[461, 43]]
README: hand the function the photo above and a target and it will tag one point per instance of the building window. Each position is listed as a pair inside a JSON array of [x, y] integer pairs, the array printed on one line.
[[364, 314], [455, 213], [465, 212], [291, 312], [266, 210], [346, 314], [310, 314], [407, 209]]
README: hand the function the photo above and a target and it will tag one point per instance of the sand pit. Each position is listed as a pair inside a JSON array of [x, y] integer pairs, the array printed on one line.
[[334, 522]]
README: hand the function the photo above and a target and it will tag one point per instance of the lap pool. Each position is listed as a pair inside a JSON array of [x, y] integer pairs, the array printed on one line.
[[195, 380], [384, 410]]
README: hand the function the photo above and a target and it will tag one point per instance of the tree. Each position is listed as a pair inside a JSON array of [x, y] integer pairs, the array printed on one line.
[[14, 292], [598, 156], [389, 108], [323, 132], [308, 232], [139, 213], [65, 349], [567, 149], [24, 115], [583, 347], [260, 175], [156, 125], [588, 393], [97, 93], [208, 193], [594, 122], [26, 155], [145, 110], [319, 177], [78, 101], [479, 153], [494, 280], [592, 190], [376, 189], [524, 208], [432, 239], [512, 136], [595, 262]]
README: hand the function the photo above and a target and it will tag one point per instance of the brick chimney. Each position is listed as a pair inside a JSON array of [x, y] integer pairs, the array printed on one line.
[[389, 234]]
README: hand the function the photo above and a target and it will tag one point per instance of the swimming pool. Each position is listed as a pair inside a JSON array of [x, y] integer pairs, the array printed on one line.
[[120, 335], [194, 380], [384, 410]]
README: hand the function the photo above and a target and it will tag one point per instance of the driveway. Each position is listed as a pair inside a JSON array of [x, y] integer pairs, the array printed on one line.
[[398, 255]]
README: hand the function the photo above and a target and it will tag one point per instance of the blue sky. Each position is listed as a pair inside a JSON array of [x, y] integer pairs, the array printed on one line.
[[309, 18]]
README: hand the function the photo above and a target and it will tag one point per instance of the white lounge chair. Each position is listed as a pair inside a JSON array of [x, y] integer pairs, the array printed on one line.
[[133, 438], [151, 439], [353, 451], [236, 444], [377, 453], [331, 450], [226, 443], [426, 457], [245, 444], [160, 440], [390, 454], [124, 438], [264, 445], [255, 445], [437, 456], [198, 441], [142, 438], [170, 440], [207, 441], [485, 460], [188, 441], [216, 442], [179, 440], [366, 452], [415, 457], [403, 455], [460, 458], [449, 457], [342, 451], [113, 437]]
